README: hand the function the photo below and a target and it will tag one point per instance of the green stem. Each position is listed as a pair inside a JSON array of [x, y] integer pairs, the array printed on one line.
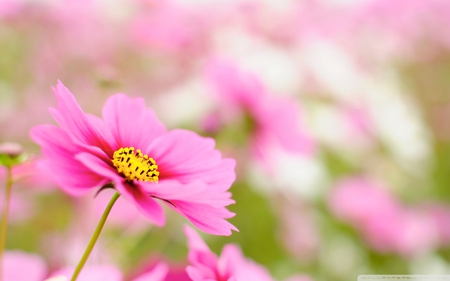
[[4, 223], [94, 237]]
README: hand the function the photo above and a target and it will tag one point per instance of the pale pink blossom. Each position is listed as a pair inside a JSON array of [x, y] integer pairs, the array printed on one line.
[[231, 265], [11, 148], [273, 121], [172, 27], [359, 199], [408, 233], [131, 148], [22, 266], [440, 215], [385, 223]]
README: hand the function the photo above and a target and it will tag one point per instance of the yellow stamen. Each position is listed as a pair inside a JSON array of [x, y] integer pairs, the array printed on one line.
[[135, 165]]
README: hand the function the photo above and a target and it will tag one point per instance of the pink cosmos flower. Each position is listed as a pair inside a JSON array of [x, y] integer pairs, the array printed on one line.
[[230, 266], [275, 121], [146, 163]]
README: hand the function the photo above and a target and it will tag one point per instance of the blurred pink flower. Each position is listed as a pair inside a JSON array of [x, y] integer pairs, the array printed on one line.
[[132, 148], [298, 229], [273, 121], [385, 223], [231, 265], [440, 215], [160, 272], [407, 233], [60, 25], [91, 273], [30, 175], [22, 266], [160, 269], [170, 27], [11, 148], [357, 200], [9, 8]]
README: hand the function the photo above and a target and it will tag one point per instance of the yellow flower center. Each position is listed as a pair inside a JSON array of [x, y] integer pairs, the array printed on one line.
[[134, 165]]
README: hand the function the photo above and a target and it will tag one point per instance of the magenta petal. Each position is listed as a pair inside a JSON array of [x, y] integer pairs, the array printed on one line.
[[206, 218], [131, 123], [103, 131], [200, 256], [195, 242], [233, 263], [60, 162], [99, 166], [145, 204], [186, 157], [199, 203], [73, 120], [196, 192], [158, 273]]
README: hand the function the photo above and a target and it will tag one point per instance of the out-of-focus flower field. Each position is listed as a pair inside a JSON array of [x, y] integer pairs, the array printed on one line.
[[336, 112]]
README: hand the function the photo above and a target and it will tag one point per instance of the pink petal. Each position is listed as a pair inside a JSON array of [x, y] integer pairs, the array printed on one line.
[[206, 218], [105, 170], [197, 274], [131, 123], [145, 204], [103, 131], [73, 120], [279, 119], [197, 192], [200, 256], [199, 203], [187, 157], [195, 242], [22, 266], [158, 273], [233, 85], [233, 263], [61, 164]]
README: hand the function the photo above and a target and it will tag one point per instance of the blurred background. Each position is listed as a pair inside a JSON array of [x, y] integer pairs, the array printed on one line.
[[337, 112]]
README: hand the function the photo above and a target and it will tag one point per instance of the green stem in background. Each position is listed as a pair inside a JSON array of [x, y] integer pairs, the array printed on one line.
[[4, 223], [94, 237]]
